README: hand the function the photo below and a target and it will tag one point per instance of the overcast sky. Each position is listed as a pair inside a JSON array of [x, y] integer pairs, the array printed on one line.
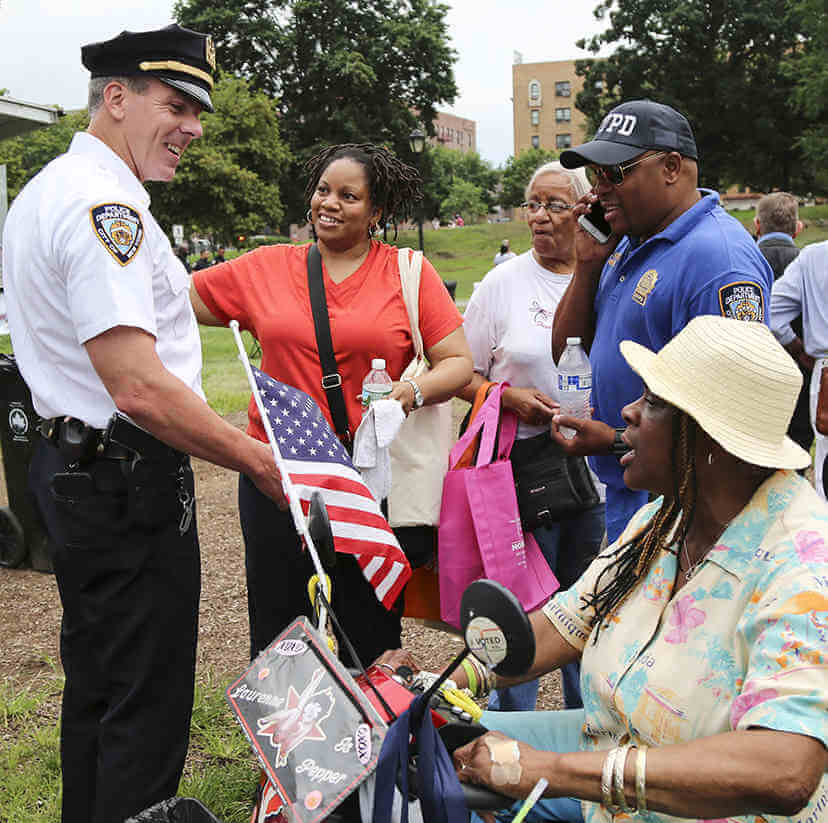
[[40, 44]]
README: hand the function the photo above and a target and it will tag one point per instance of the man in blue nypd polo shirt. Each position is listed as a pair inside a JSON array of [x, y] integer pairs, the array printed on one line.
[[674, 253]]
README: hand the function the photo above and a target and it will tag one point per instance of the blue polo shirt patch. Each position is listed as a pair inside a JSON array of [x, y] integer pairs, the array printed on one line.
[[742, 300], [646, 283]]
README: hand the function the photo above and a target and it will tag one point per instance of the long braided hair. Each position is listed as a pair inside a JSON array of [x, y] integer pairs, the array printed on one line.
[[395, 186], [631, 560]]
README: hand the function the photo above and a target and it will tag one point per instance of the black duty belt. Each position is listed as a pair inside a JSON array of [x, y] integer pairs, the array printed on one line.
[[80, 442]]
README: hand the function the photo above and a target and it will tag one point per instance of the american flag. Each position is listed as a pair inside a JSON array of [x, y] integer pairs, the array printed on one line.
[[316, 460]]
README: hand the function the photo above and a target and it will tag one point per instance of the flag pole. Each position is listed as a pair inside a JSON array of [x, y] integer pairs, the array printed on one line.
[[287, 485]]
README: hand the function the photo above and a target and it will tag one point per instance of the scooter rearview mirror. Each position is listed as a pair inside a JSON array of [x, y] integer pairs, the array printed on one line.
[[496, 628], [319, 527]]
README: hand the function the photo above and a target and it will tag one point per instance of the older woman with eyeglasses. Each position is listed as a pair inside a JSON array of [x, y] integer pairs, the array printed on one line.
[[508, 325]]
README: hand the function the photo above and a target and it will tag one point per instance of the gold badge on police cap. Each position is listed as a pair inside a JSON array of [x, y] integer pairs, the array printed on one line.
[[210, 52]]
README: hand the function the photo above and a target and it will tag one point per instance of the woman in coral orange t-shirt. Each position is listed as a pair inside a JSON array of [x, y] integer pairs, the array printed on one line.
[[351, 189]]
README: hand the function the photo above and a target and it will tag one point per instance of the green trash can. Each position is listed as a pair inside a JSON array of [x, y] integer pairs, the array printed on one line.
[[23, 539]]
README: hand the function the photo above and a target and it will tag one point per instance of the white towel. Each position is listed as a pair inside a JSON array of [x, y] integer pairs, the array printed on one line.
[[378, 428]]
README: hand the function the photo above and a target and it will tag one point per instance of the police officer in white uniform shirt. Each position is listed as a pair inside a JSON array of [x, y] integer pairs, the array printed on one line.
[[101, 323]]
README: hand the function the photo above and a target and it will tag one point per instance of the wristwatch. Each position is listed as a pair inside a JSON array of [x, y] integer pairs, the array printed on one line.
[[418, 395], [619, 448]]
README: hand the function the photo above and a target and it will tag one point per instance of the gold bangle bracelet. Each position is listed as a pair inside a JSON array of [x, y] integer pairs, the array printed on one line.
[[618, 777], [606, 781], [641, 778]]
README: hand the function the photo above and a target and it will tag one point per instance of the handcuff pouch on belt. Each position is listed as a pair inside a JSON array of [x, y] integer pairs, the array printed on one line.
[[76, 441]]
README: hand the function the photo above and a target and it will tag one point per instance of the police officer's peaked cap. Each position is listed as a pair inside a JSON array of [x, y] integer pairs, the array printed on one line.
[[179, 57]]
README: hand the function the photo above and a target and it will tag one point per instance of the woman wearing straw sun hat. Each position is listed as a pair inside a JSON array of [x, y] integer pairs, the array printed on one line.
[[703, 631]]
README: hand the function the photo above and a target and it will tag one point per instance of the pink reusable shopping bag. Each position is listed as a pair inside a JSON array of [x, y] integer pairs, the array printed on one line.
[[480, 534]]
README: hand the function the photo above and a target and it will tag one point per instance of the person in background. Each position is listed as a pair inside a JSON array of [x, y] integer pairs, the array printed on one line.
[[504, 254], [803, 290], [508, 324], [219, 258], [182, 255], [203, 261], [777, 223], [351, 189], [114, 332], [673, 253]]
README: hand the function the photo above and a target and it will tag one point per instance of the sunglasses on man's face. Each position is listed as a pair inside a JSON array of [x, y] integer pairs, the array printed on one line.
[[614, 175]]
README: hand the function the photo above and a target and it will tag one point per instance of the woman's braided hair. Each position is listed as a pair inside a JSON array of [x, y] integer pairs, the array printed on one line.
[[395, 186], [632, 559]]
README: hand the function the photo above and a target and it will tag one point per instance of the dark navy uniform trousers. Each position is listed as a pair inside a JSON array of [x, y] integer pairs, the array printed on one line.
[[130, 597]]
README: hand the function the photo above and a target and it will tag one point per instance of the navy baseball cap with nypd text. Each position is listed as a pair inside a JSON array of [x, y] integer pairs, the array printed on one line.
[[631, 129], [179, 57]]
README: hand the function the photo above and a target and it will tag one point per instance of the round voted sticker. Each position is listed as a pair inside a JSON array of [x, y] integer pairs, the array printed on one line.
[[486, 641]]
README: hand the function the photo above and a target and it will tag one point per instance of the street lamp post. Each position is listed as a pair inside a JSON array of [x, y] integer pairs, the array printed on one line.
[[416, 142]]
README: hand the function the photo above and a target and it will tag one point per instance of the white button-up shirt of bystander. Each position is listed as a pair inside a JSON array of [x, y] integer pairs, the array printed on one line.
[[64, 286], [803, 289]]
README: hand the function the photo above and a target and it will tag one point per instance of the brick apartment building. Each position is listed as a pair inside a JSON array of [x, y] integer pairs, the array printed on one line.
[[454, 132], [543, 106]]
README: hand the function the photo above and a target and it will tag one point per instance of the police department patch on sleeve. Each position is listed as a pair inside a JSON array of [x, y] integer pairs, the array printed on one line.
[[119, 228], [742, 301]]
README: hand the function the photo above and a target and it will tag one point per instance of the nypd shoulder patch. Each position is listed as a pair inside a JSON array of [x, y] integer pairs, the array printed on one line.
[[119, 229], [742, 300]]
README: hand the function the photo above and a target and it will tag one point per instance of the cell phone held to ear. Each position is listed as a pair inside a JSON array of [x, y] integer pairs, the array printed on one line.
[[595, 223]]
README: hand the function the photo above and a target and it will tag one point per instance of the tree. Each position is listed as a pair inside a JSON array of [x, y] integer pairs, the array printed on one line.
[[341, 71], [441, 167], [25, 156], [807, 66], [464, 198], [518, 172], [227, 181], [719, 62]]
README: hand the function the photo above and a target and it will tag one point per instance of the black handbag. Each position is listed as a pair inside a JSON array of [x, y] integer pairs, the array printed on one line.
[[550, 485]]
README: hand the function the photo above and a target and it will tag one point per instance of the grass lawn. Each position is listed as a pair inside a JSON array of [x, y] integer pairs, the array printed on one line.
[[220, 770], [223, 377]]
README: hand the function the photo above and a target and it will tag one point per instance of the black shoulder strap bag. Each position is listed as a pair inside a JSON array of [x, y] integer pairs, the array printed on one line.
[[331, 378], [549, 484], [418, 542]]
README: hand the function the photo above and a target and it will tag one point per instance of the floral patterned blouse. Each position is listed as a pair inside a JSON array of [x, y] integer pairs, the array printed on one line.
[[742, 644]]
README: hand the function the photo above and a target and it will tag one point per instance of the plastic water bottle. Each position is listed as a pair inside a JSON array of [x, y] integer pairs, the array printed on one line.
[[574, 382], [376, 385]]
